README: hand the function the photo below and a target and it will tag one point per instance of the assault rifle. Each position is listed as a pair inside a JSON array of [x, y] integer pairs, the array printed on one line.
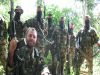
[[12, 30]]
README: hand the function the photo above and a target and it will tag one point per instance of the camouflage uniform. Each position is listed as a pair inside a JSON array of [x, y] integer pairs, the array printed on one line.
[[26, 61], [36, 22], [55, 51], [72, 49], [84, 49], [62, 47], [31, 23], [71, 44], [3, 41], [58, 49], [19, 27]]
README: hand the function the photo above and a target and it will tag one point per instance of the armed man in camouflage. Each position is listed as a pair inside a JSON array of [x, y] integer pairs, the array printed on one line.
[[61, 23], [71, 43], [58, 48], [85, 40], [35, 22], [51, 30], [55, 51], [28, 60], [3, 42], [62, 45], [16, 28]]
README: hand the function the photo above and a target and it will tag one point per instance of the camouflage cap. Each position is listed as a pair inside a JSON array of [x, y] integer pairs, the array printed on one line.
[[19, 9]]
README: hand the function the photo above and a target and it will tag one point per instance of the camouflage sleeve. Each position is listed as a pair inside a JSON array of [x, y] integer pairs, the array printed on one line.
[[28, 23], [5, 30], [94, 36]]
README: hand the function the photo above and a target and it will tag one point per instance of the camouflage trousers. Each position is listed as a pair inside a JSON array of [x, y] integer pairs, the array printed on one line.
[[54, 49], [62, 56], [3, 53], [87, 54], [71, 56]]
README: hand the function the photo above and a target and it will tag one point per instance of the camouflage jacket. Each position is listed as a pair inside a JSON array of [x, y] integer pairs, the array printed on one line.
[[87, 39], [19, 27], [63, 39], [27, 62], [3, 30], [31, 23], [3, 34]]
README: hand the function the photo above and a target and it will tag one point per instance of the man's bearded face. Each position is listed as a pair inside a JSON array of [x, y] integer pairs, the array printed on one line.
[[31, 38]]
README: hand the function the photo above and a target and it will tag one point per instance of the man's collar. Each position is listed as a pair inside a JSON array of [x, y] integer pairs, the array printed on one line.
[[25, 41]]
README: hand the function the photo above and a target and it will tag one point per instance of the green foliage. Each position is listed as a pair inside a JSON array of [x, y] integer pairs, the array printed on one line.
[[56, 13], [4, 2], [1, 69], [90, 4], [68, 13], [48, 59]]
